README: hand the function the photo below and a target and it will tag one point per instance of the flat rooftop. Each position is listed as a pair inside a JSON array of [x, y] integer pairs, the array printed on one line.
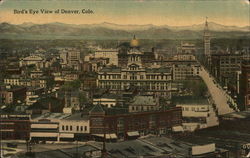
[[77, 116], [52, 116], [191, 100]]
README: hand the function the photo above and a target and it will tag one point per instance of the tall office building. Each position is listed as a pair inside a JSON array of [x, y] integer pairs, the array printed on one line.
[[206, 39]]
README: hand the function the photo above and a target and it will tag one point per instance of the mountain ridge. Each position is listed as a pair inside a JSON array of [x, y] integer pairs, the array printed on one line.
[[115, 31], [212, 25]]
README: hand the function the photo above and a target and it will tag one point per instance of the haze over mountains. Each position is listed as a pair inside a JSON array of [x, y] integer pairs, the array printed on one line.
[[115, 31]]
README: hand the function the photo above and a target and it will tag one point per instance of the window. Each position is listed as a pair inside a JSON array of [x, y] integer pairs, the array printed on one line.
[[77, 128], [67, 128], [70, 128], [63, 128], [81, 128], [85, 128]]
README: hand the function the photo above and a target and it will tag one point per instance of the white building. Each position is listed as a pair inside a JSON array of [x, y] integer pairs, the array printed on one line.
[[108, 102], [112, 54], [46, 127], [59, 127], [74, 59], [38, 61], [70, 58], [135, 76], [197, 113], [75, 126]]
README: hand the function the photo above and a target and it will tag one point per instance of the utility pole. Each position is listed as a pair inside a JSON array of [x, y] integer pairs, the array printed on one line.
[[104, 151], [77, 151]]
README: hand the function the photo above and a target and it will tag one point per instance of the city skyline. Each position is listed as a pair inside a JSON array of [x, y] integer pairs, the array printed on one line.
[[137, 12]]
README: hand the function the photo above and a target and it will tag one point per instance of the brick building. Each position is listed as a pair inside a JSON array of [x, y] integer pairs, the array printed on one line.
[[15, 126], [123, 125], [9, 95], [245, 83]]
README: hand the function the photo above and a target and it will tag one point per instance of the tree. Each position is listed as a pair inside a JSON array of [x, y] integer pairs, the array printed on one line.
[[71, 85]]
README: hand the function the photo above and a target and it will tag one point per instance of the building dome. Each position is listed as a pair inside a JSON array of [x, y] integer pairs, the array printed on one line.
[[134, 42]]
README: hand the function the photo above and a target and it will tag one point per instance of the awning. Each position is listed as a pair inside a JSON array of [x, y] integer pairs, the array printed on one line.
[[44, 125], [113, 136], [66, 135], [134, 133], [43, 134], [177, 129], [98, 135], [108, 136]]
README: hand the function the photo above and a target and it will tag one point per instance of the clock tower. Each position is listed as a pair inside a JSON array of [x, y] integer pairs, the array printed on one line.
[[206, 39]]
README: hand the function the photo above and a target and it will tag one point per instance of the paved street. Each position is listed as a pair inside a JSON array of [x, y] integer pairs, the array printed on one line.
[[218, 95]]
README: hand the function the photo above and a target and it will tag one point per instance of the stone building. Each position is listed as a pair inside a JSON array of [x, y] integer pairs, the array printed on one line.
[[225, 65], [147, 57], [136, 76], [245, 83]]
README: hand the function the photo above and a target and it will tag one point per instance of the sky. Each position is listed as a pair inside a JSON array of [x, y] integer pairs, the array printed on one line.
[[140, 12]]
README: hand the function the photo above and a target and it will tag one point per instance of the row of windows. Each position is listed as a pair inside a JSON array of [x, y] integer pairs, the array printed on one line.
[[192, 108], [152, 77], [70, 128], [142, 108], [110, 77], [135, 83], [147, 87]]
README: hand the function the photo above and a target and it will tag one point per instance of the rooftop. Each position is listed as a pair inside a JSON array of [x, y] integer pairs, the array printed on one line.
[[144, 100], [109, 96], [77, 116], [191, 100], [159, 70], [52, 116], [111, 69], [97, 109]]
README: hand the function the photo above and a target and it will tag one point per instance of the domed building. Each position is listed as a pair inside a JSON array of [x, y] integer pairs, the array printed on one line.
[[133, 47], [134, 42], [135, 71]]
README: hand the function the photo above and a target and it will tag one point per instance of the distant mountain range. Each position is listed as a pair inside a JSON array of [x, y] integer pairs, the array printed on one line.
[[114, 31]]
